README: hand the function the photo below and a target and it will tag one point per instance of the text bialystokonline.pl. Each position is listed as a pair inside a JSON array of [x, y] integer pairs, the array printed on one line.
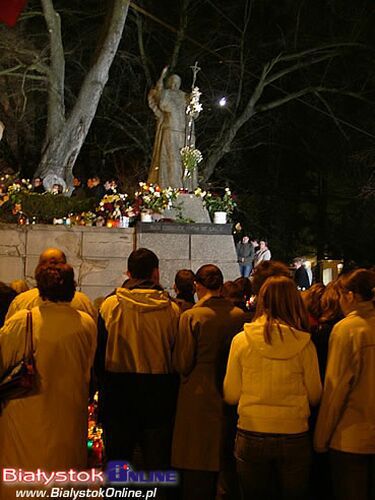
[[87, 493]]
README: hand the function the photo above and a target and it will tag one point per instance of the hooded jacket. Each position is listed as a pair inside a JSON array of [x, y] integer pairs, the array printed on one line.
[[138, 325], [273, 384], [137, 328]]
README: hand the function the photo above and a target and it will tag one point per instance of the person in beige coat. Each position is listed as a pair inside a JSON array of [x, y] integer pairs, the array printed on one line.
[[31, 298], [346, 421], [200, 355], [48, 429]]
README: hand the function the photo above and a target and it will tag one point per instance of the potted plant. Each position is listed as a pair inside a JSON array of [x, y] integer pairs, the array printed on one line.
[[219, 207]]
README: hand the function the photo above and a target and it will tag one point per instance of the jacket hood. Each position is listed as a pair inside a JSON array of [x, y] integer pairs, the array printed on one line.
[[284, 346], [143, 299]]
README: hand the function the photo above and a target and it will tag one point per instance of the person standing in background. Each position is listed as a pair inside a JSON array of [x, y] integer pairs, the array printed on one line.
[[245, 254], [263, 253], [300, 274]]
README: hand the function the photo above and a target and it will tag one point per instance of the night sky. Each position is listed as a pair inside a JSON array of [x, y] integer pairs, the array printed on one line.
[[301, 170]]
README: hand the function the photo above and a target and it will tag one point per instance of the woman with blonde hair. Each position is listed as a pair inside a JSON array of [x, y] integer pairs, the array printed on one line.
[[273, 376]]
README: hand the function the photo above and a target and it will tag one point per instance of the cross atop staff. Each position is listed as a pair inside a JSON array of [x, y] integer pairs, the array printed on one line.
[[195, 69]]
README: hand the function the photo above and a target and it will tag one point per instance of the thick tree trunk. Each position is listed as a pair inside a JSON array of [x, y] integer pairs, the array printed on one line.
[[63, 148], [56, 73]]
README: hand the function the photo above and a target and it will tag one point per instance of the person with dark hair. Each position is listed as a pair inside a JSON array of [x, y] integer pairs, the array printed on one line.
[[184, 287], [245, 255], [330, 315], [312, 300], [265, 270], [233, 292], [273, 376], [7, 294], [142, 263], [95, 188], [137, 388], [246, 287], [300, 274], [48, 430], [79, 191], [346, 421], [55, 282], [38, 185], [200, 354], [263, 254], [32, 298]]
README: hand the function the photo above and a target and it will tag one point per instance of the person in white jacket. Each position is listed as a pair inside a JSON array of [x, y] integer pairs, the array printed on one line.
[[346, 421], [273, 376]]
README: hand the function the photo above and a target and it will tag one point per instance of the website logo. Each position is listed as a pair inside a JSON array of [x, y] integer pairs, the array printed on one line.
[[122, 472]]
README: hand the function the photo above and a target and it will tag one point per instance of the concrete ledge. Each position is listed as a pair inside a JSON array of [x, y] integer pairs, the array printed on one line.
[[99, 254], [171, 227]]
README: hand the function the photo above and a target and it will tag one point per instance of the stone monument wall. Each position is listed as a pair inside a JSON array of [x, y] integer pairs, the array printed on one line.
[[99, 254]]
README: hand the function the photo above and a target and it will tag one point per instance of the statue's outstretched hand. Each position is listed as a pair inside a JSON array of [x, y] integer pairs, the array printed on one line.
[[164, 72]]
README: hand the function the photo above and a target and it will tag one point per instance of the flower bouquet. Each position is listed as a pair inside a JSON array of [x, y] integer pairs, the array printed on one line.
[[114, 206], [152, 199], [190, 157], [216, 203]]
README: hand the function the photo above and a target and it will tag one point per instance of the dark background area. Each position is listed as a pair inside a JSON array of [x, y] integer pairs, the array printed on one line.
[[303, 172]]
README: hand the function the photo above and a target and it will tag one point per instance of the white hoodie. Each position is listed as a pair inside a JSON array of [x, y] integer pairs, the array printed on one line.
[[273, 384]]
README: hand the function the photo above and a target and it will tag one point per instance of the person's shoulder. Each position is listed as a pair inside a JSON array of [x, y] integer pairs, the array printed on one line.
[[239, 341], [28, 295], [26, 300], [87, 320], [108, 304], [81, 296], [175, 307]]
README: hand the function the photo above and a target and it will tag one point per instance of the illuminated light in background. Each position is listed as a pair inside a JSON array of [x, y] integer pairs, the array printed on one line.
[[223, 101]]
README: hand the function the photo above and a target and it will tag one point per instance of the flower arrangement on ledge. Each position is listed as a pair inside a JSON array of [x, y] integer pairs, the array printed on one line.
[[114, 206], [19, 204], [216, 203], [150, 197]]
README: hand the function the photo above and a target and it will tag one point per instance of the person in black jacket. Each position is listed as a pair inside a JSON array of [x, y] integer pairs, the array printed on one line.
[[300, 275]]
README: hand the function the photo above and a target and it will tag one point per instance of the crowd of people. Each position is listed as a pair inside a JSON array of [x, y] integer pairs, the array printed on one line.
[[230, 390], [93, 187]]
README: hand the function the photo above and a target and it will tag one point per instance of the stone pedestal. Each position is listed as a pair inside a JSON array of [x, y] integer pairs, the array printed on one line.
[[189, 208], [189, 246], [99, 254]]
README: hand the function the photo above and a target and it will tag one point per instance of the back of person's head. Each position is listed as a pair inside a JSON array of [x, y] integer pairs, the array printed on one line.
[[19, 286], [312, 299], [266, 269], [330, 303], [246, 287], [280, 301], [7, 294], [52, 256], [184, 282], [233, 292], [142, 263], [55, 282], [210, 277], [361, 282]]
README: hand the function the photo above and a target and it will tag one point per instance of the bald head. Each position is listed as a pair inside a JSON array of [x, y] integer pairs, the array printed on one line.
[[52, 256]]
